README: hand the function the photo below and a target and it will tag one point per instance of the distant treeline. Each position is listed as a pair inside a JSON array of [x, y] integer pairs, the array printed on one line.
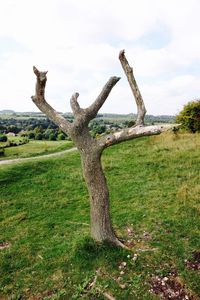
[[37, 126]]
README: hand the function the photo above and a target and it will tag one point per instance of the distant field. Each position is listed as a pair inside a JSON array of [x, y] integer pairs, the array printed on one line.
[[35, 148], [46, 252]]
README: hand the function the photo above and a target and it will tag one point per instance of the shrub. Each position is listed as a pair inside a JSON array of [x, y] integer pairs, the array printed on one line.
[[47, 133], [38, 136], [61, 136], [131, 123], [14, 143], [3, 138], [23, 141], [31, 135], [99, 129], [52, 137], [23, 133], [189, 117], [2, 152]]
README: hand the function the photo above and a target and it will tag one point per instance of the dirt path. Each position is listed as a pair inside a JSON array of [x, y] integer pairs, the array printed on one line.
[[11, 161]]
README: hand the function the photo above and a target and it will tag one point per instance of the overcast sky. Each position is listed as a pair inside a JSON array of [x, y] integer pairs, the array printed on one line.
[[78, 43]]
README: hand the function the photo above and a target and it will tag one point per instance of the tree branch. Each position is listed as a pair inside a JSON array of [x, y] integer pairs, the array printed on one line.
[[141, 110], [93, 109], [132, 133], [74, 104], [39, 100]]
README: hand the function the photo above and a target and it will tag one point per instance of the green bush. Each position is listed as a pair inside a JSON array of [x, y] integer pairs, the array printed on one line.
[[189, 117], [14, 143], [38, 136], [31, 135], [52, 137], [131, 123], [61, 136], [47, 133], [3, 138], [98, 129], [2, 152]]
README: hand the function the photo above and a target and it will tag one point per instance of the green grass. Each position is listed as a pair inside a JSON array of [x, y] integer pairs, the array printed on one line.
[[154, 187], [35, 148]]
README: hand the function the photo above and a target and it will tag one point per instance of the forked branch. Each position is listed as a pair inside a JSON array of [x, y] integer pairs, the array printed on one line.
[[39, 100], [141, 110], [93, 109], [139, 129]]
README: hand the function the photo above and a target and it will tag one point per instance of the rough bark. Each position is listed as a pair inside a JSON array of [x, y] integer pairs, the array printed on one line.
[[100, 220], [91, 149], [101, 227], [39, 100], [141, 110], [132, 133]]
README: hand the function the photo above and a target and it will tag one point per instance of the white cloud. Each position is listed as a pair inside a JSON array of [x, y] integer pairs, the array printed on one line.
[[78, 42], [172, 94]]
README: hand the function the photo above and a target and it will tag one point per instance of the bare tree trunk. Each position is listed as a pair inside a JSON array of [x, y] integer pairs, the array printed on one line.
[[91, 149], [101, 226]]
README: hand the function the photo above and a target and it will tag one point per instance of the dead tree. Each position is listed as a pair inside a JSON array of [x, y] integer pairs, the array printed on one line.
[[91, 148]]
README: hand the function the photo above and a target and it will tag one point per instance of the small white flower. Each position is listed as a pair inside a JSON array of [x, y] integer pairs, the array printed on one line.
[[165, 278], [134, 258]]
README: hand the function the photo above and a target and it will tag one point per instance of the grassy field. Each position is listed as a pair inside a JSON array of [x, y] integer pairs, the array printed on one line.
[[46, 252], [35, 148]]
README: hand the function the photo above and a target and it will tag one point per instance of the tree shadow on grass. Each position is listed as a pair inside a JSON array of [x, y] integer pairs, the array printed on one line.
[[89, 254]]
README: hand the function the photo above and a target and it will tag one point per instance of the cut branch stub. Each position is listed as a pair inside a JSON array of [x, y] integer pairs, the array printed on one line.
[[141, 110], [41, 82], [41, 76], [35, 70], [39, 100], [74, 104]]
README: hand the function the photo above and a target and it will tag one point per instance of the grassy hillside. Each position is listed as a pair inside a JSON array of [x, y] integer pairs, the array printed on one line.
[[45, 249], [35, 148]]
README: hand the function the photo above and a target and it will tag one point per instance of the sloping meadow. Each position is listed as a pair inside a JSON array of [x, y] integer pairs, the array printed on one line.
[[45, 246]]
